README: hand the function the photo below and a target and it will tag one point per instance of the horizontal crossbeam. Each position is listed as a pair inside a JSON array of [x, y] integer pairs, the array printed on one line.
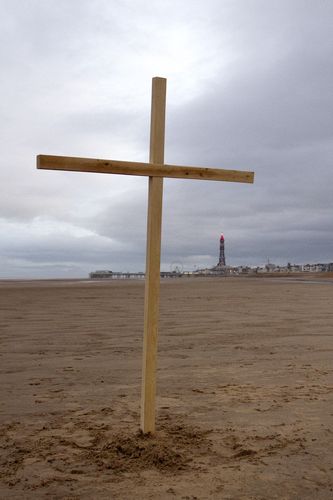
[[75, 164]]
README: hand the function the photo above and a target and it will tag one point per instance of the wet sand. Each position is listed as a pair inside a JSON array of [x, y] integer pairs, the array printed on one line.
[[245, 393]]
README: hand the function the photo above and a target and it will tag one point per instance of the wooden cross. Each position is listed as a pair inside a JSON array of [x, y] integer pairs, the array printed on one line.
[[156, 170]]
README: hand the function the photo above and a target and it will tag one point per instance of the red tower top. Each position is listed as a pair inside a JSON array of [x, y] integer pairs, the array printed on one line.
[[222, 237]]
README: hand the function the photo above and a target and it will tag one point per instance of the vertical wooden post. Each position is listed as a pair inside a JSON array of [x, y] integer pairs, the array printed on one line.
[[153, 257]]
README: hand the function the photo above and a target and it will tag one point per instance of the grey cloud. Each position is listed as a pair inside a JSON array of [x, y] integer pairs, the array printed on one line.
[[266, 106], [43, 255]]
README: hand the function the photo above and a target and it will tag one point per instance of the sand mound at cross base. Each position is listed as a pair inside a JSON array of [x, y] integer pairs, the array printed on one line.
[[171, 448]]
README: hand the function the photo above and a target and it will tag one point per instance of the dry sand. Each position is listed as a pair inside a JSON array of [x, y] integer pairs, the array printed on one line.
[[244, 391]]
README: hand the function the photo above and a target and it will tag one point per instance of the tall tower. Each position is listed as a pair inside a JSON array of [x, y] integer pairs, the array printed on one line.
[[222, 255]]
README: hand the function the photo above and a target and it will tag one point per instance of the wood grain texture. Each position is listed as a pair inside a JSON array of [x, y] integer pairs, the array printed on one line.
[[153, 258], [153, 169]]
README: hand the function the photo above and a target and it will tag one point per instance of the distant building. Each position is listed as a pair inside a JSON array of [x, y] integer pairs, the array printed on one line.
[[221, 262], [220, 267], [100, 274]]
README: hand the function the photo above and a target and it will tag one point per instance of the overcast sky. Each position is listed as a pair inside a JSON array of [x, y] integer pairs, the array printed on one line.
[[250, 87]]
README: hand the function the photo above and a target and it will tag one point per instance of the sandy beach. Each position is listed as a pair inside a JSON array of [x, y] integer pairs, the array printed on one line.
[[245, 390]]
